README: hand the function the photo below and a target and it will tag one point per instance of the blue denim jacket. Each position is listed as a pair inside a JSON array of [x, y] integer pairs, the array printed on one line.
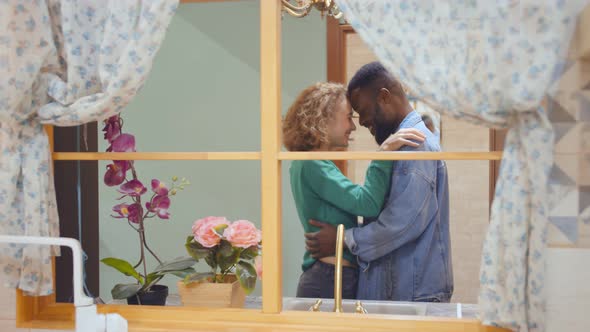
[[405, 254]]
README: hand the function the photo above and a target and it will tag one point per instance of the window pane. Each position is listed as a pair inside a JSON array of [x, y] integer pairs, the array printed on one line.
[[228, 189], [468, 209]]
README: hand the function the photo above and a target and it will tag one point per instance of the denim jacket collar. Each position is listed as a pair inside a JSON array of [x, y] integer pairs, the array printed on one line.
[[411, 120]]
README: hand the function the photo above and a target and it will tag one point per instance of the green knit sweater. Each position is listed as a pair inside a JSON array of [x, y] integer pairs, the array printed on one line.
[[323, 193]]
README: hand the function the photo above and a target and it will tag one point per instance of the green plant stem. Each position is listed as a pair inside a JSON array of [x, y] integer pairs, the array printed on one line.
[[224, 273], [146, 215], [141, 239], [150, 250], [129, 222], [141, 229], [141, 258]]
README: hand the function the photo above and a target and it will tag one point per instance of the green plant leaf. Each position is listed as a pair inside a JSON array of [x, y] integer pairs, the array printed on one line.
[[249, 253], [178, 264], [225, 263], [219, 229], [246, 274], [211, 261], [225, 248], [198, 277], [183, 273], [123, 291], [152, 279], [196, 250], [123, 266]]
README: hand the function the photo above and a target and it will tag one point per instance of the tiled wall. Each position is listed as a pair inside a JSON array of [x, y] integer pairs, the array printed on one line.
[[568, 268], [469, 204], [569, 110], [568, 105]]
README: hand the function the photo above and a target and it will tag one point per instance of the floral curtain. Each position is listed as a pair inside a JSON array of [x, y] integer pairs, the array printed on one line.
[[489, 63], [62, 63]]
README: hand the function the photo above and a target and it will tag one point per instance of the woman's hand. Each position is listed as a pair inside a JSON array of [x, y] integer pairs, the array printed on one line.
[[405, 136]]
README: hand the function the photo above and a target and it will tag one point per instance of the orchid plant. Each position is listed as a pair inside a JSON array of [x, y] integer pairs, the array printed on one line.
[[228, 248], [133, 190]]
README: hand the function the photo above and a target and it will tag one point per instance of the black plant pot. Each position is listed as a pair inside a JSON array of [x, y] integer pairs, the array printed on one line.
[[156, 296]]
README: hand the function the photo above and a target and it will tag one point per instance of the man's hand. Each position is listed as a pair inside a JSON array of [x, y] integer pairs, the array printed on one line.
[[323, 242]]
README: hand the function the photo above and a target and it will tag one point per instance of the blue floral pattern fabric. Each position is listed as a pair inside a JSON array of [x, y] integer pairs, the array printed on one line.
[[62, 63], [489, 63]]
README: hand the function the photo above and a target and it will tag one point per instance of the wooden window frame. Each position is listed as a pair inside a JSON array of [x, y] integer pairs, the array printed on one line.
[[45, 312]]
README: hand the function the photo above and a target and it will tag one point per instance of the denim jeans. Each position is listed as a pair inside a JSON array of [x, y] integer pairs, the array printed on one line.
[[318, 281]]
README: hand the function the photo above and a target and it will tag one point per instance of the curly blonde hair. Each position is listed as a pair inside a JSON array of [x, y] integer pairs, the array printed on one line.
[[306, 123]]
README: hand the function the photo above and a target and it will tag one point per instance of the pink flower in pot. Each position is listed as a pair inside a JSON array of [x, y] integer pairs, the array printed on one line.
[[242, 234], [204, 230]]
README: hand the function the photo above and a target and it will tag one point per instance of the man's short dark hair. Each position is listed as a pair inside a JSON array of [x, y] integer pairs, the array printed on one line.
[[372, 77]]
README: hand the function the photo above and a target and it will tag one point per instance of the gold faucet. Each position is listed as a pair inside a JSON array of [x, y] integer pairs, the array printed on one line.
[[338, 277], [338, 274], [338, 269], [359, 309], [316, 306]]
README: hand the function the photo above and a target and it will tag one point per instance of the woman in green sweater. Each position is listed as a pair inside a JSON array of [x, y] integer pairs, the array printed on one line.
[[320, 119]]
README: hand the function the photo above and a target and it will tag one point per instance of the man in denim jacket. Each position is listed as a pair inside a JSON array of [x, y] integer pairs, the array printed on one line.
[[405, 253]]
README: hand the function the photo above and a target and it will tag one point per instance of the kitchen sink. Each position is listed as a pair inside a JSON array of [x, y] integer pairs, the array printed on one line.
[[372, 307]]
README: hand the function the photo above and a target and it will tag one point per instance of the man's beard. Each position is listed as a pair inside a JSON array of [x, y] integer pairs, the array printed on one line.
[[381, 134], [382, 129]]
